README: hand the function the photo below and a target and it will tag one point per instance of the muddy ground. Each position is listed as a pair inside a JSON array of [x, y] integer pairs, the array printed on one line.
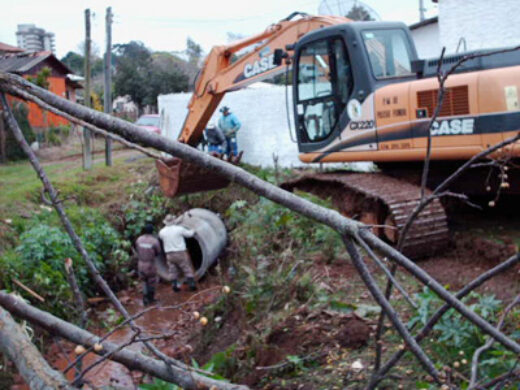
[[480, 240]]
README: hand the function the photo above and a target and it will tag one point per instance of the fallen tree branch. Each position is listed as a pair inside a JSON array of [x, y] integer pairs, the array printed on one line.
[[34, 369], [481, 279], [97, 130], [343, 225], [130, 359], [388, 309], [184, 371]]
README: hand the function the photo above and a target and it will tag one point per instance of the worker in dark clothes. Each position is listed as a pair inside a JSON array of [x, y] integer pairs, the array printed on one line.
[[216, 139], [148, 247]]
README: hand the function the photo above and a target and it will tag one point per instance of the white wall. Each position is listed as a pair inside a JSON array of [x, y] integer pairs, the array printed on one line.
[[426, 39], [483, 23], [261, 109]]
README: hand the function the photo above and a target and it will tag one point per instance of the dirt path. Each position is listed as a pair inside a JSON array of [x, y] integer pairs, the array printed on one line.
[[177, 322]]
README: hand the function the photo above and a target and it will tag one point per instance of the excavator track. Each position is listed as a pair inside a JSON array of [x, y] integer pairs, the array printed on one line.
[[382, 201]]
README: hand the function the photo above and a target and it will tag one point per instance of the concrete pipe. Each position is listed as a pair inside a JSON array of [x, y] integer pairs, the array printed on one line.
[[205, 247]]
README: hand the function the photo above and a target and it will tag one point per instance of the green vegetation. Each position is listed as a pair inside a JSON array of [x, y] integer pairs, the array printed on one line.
[[34, 244], [38, 260], [143, 77], [13, 150]]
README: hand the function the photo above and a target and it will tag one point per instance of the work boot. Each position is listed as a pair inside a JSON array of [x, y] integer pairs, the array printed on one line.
[[191, 284], [175, 286], [146, 295], [151, 296]]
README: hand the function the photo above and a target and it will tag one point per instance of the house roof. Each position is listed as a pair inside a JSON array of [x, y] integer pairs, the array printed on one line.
[[23, 62], [8, 48], [423, 23]]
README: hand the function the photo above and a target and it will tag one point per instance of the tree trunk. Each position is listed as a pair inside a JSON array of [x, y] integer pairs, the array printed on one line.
[[36, 372]]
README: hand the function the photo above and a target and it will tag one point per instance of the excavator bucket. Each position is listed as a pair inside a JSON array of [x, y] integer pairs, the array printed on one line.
[[178, 177]]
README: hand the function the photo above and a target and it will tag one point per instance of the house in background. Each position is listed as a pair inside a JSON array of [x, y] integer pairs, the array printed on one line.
[[7, 49], [29, 65], [468, 25]]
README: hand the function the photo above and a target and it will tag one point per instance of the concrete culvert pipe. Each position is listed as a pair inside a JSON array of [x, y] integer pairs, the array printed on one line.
[[205, 247]]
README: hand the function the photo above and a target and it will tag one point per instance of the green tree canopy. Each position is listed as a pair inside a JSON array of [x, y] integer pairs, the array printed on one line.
[[358, 12], [76, 63], [143, 75]]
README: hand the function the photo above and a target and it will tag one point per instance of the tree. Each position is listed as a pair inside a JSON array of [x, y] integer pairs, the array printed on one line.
[[194, 52], [74, 62], [358, 12], [143, 75]]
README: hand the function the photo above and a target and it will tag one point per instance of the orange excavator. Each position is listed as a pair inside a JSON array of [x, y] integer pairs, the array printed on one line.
[[361, 94]]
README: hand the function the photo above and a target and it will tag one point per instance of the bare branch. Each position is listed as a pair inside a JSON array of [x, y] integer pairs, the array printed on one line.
[[388, 309], [502, 267], [24, 95], [488, 344], [18, 135], [131, 359]]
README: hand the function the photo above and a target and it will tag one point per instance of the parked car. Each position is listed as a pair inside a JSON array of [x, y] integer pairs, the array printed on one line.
[[150, 122]]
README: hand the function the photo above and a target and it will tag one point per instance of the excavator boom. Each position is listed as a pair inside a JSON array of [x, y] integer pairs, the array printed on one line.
[[226, 69]]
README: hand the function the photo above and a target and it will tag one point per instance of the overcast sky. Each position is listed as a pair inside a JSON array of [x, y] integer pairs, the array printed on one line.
[[165, 26]]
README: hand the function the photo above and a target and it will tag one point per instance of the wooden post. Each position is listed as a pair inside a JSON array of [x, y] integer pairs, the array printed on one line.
[[87, 137], [107, 94]]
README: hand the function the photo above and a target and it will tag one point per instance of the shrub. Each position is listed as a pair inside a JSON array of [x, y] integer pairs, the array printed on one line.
[[38, 261], [454, 338]]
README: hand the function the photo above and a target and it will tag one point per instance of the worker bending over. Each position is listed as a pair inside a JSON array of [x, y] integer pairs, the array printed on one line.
[[177, 257], [216, 139], [147, 247]]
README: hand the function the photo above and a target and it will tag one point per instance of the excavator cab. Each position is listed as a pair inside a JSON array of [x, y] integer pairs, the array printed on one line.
[[336, 71]]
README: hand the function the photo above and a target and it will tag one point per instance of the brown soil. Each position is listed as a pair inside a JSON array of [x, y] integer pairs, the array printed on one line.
[[471, 257], [173, 317]]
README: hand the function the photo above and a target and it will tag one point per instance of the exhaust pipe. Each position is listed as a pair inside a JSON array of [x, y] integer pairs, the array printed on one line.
[[204, 247]]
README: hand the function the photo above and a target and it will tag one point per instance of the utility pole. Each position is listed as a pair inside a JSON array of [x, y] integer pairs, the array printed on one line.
[[107, 94], [87, 138], [421, 10]]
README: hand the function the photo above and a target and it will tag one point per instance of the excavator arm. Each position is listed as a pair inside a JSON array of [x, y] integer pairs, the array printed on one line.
[[225, 70]]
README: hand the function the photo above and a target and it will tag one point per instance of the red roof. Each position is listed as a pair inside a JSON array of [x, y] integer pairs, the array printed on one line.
[[9, 48]]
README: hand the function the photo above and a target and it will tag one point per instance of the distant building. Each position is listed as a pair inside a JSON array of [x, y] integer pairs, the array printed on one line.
[[32, 38], [60, 81]]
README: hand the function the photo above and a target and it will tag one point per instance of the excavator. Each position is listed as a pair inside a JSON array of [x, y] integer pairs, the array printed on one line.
[[360, 93]]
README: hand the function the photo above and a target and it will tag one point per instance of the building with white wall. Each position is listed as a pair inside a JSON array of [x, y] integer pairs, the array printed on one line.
[[483, 24], [468, 25], [32, 38], [264, 135], [426, 37]]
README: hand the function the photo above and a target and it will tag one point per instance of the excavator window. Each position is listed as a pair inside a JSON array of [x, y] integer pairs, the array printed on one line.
[[324, 86], [389, 53]]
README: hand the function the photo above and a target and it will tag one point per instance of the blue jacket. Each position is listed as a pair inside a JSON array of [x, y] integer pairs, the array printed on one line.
[[229, 124]]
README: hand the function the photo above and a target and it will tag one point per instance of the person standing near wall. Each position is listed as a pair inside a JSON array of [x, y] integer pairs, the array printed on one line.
[[229, 124], [147, 247], [177, 257]]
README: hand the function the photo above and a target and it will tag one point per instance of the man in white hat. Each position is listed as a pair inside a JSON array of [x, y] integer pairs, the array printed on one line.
[[177, 257]]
